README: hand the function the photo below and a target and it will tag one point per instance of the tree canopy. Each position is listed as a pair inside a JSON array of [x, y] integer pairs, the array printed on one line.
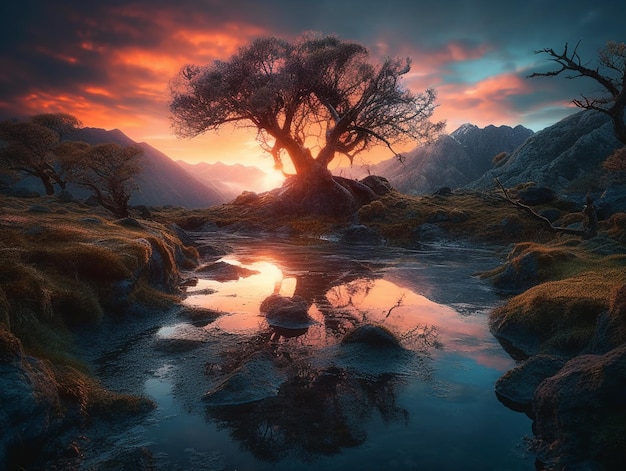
[[30, 147], [107, 170], [311, 99]]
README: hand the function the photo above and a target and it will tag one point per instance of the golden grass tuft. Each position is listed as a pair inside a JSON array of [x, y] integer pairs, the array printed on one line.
[[93, 399], [564, 312]]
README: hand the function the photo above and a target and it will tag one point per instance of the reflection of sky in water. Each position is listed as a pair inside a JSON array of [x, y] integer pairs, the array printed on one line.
[[451, 420], [379, 301]]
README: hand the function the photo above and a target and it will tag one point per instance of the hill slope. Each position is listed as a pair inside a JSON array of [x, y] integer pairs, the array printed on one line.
[[453, 160], [162, 181], [566, 156]]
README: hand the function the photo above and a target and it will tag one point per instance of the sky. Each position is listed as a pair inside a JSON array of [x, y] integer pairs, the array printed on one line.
[[110, 63]]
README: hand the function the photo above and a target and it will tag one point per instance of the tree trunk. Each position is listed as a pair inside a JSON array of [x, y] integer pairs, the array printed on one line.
[[619, 123], [45, 179]]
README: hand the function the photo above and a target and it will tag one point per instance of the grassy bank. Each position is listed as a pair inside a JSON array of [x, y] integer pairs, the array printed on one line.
[[64, 265]]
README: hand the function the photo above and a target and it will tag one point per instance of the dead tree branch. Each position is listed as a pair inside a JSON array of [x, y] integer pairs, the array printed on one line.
[[546, 222]]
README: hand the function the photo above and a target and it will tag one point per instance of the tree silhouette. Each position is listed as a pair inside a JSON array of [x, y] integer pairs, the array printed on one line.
[[316, 95], [108, 170], [31, 147], [610, 74]]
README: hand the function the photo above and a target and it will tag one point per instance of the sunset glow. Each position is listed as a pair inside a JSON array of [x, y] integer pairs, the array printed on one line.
[[111, 65]]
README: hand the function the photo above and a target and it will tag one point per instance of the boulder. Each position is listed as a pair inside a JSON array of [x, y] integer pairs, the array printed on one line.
[[358, 234], [373, 336], [256, 379], [286, 312], [519, 276], [379, 185], [516, 388], [28, 396], [580, 413], [535, 195], [222, 271]]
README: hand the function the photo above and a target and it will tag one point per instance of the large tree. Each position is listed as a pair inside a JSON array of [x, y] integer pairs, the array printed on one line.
[[610, 75], [30, 147], [311, 99]]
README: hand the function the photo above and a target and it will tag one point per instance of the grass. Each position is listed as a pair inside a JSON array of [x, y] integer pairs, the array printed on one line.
[[564, 313], [469, 215], [66, 265]]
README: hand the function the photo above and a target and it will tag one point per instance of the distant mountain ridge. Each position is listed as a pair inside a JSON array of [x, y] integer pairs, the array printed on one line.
[[230, 179], [162, 182], [453, 160]]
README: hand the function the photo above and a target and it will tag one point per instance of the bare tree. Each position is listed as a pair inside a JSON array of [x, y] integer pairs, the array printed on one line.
[[318, 95], [610, 74]]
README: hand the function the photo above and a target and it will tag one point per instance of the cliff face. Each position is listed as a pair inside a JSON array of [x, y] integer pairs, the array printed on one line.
[[566, 156], [452, 160]]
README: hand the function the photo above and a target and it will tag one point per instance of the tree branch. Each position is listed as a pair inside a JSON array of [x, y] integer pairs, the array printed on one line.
[[539, 217]]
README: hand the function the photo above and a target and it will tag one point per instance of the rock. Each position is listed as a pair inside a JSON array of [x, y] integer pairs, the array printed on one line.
[[287, 313], [612, 200], [516, 388], [373, 336], [428, 232], [143, 210], [28, 396], [258, 378], [65, 197], [535, 195], [443, 191], [182, 235], [129, 222], [519, 276], [379, 185], [199, 315], [90, 221], [19, 192], [222, 271], [611, 327], [358, 234], [213, 251], [580, 413]]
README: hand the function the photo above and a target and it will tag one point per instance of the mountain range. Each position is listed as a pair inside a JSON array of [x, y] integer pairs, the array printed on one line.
[[452, 160], [161, 181], [566, 157]]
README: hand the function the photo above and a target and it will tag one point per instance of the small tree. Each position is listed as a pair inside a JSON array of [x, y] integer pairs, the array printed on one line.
[[30, 147], [318, 95], [108, 170]]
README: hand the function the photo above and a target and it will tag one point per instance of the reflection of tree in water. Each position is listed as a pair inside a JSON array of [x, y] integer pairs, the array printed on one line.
[[317, 412]]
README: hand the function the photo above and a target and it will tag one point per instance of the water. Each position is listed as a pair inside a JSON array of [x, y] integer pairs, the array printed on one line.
[[285, 399]]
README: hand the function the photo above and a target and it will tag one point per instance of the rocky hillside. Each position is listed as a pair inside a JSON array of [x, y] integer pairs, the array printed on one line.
[[565, 157], [162, 181], [453, 160]]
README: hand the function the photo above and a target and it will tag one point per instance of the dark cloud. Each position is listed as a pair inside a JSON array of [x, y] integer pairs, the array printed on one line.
[[68, 46]]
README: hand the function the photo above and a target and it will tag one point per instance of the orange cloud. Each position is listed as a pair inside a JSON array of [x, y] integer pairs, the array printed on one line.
[[482, 103]]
